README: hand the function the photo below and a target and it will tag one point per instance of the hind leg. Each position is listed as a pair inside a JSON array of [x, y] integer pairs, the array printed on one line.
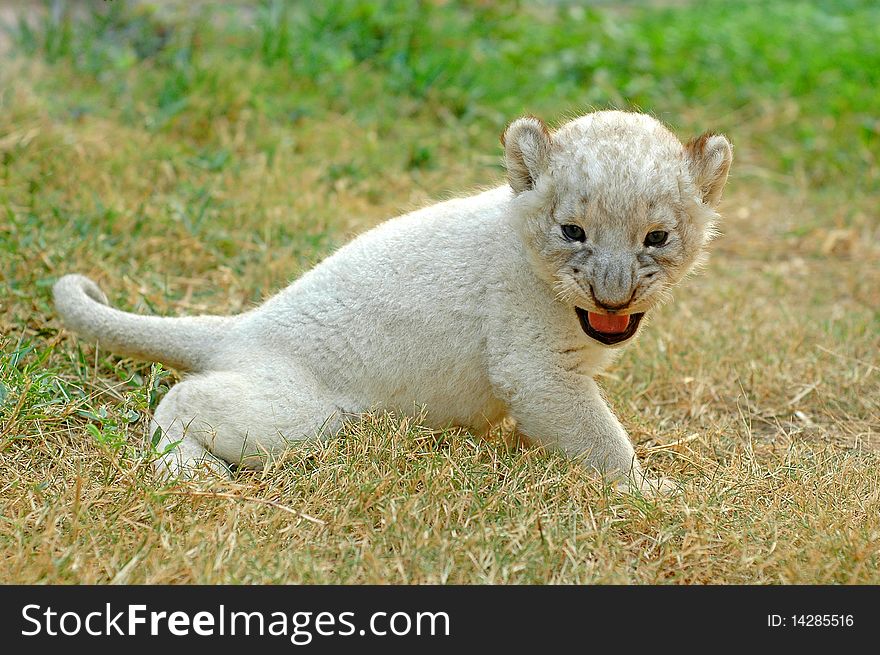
[[181, 453], [241, 419]]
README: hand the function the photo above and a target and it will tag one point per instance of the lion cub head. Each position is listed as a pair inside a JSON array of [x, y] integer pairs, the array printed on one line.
[[614, 211]]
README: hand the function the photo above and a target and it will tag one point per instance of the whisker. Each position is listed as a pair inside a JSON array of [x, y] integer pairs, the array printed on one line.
[[563, 290], [663, 294]]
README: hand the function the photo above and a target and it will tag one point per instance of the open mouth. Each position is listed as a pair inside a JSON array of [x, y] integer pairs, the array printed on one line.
[[609, 328]]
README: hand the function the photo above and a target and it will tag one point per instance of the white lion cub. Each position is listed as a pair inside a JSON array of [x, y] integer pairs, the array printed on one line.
[[503, 304]]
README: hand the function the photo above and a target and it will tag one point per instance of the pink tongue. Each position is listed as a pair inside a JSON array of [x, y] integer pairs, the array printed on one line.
[[607, 323]]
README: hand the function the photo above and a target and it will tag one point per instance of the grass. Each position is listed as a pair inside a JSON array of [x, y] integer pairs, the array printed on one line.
[[196, 158]]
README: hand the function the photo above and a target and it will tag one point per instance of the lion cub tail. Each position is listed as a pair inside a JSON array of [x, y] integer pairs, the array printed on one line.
[[184, 343]]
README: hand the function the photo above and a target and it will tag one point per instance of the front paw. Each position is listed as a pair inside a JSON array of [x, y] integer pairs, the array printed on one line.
[[649, 487]]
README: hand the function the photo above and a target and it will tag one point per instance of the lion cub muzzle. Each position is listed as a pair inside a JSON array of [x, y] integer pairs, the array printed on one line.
[[609, 329]]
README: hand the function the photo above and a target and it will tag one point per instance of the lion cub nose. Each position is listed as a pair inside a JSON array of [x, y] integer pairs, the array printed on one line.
[[612, 308], [612, 279], [612, 301]]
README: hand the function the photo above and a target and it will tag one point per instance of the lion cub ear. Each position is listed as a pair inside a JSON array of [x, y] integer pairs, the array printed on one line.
[[526, 144], [709, 157]]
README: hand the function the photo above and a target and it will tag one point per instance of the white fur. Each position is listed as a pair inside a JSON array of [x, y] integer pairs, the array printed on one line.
[[464, 308]]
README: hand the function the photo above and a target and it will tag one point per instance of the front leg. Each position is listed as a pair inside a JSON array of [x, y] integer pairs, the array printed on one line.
[[565, 411], [576, 420], [571, 416], [541, 367]]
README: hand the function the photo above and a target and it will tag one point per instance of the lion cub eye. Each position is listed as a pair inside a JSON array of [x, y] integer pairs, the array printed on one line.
[[573, 233], [656, 238]]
